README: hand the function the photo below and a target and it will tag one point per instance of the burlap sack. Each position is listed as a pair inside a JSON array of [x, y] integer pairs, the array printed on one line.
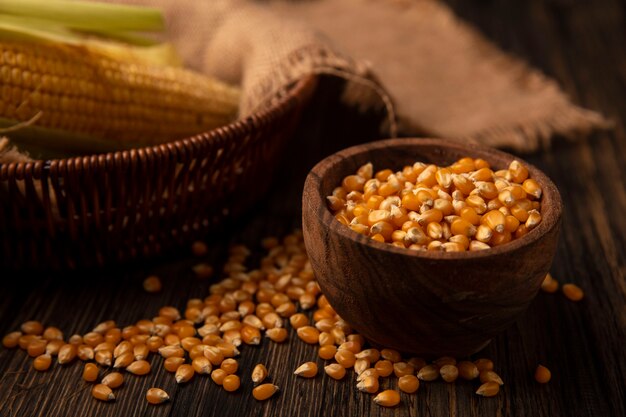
[[434, 73]]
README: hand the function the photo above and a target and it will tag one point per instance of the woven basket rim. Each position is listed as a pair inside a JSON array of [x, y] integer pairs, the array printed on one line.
[[281, 102]]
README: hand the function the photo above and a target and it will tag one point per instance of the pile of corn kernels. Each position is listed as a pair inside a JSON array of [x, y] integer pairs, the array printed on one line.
[[208, 335], [465, 206]]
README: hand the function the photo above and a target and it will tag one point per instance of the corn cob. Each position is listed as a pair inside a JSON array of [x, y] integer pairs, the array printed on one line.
[[76, 89]]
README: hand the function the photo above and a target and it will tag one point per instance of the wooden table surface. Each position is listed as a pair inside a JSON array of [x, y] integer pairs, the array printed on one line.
[[581, 44]]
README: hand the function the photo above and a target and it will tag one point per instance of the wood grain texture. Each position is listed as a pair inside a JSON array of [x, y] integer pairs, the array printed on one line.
[[580, 43], [428, 303]]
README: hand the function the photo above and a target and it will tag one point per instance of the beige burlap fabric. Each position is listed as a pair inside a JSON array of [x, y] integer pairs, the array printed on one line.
[[433, 73], [444, 77]]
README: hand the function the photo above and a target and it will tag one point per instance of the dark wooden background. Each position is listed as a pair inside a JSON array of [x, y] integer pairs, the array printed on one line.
[[578, 42]]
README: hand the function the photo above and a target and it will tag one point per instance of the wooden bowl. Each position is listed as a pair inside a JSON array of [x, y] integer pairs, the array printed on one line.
[[430, 303]]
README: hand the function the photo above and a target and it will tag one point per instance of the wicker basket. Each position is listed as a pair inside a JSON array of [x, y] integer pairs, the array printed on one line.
[[102, 209]]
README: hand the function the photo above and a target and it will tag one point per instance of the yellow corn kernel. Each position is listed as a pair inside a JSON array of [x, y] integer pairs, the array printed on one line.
[[463, 165], [67, 353], [462, 240], [408, 384], [388, 398], [279, 334], [549, 284], [477, 203], [156, 396], [32, 328], [124, 360], [490, 376], [152, 284], [443, 176], [484, 364], [391, 355], [542, 374], [90, 372], [36, 347], [434, 230], [403, 368], [470, 215], [449, 373], [264, 391], [42, 362], [140, 367], [360, 365], [487, 190], [430, 216], [201, 365], [218, 375], [102, 392], [428, 373], [171, 351], [104, 357], [307, 370], [483, 234], [368, 384], [345, 358], [518, 171], [335, 371], [522, 230], [468, 370], [184, 373], [259, 373], [113, 380], [327, 352], [250, 335], [172, 364], [353, 183], [231, 383], [11, 340], [488, 389], [370, 354], [573, 292], [495, 220], [534, 218], [308, 334], [481, 175], [52, 333], [384, 367], [384, 229]]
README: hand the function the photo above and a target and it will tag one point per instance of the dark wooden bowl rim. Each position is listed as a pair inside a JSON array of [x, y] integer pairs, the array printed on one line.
[[550, 202]]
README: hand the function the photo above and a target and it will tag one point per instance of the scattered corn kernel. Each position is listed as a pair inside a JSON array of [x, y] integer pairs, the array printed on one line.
[[542, 374], [428, 373], [140, 367], [335, 371], [156, 396], [42, 362], [90, 372], [490, 376], [264, 391], [231, 383], [102, 392], [307, 370], [408, 383], [388, 398], [152, 284], [573, 292], [468, 370], [368, 384], [549, 284], [259, 373], [113, 380], [488, 389], [449, 373]]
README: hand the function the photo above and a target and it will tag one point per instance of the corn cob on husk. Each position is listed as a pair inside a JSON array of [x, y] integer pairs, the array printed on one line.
[[90, 101]]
